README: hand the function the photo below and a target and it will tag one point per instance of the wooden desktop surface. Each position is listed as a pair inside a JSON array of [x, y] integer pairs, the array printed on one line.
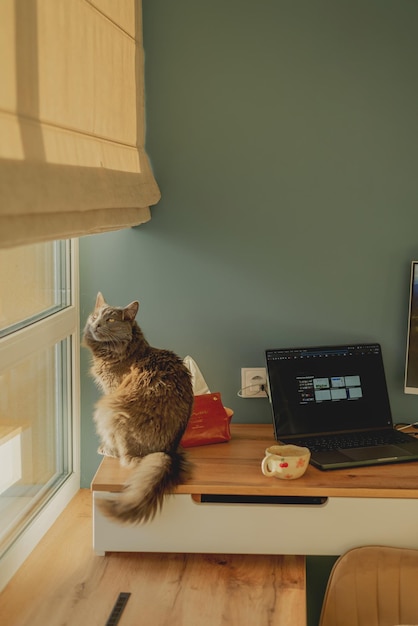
[[235, 468]]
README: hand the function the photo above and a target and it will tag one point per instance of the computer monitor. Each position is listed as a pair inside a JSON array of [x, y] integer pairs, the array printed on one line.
[[411, 366]]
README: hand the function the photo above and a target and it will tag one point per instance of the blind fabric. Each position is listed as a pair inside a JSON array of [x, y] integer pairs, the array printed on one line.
[[72, 157]]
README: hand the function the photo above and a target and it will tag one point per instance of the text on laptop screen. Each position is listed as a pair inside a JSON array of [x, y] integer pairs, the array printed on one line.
[[327, 389]]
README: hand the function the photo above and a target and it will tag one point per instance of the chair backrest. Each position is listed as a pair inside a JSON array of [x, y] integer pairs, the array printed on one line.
[[372, 586]]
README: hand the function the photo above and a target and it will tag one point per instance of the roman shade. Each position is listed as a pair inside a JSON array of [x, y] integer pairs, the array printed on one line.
[[72, 129]]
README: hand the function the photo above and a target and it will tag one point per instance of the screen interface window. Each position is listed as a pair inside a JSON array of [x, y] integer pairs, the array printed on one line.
[[329, 388]]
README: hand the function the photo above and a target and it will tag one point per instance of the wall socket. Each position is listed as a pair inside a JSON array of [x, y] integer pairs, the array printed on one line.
[[252, 378]]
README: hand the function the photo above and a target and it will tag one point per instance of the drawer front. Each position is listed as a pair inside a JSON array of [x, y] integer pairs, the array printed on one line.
[[331, 528]]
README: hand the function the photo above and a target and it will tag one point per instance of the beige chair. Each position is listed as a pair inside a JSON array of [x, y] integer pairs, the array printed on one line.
[[372, 586]]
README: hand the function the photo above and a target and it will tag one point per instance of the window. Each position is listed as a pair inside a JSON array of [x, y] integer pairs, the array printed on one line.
[[38, 392]]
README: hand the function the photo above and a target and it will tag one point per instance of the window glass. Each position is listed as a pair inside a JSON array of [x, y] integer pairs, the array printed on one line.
[[33, 434], [35, 383], [31, 285]]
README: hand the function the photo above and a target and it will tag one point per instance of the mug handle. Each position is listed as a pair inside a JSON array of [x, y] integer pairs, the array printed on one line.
[[265, 466]]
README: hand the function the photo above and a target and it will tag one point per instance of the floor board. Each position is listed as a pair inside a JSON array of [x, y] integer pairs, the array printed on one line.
[[64, 583]]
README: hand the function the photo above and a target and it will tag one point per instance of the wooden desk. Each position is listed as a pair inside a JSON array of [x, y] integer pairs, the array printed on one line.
[[368, 505]]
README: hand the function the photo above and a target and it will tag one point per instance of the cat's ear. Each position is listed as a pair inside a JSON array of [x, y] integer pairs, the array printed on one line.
[[130, 311], [100, 301]]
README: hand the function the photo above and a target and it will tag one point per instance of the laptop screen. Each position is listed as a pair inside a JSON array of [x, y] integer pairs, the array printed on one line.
[[327, 389]]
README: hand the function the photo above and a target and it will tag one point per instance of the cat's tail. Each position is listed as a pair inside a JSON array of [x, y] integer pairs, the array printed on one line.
[[155, 475]]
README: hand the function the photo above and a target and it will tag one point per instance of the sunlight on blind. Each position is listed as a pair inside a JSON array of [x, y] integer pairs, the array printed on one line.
[[72, 157]]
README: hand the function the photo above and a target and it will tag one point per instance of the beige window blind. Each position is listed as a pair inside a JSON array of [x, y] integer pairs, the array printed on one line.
[[72, 156]]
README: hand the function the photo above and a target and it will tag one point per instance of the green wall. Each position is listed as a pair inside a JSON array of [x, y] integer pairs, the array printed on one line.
[[284, 137]]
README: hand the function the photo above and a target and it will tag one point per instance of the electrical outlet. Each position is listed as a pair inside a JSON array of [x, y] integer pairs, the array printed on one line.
[[252, 379]]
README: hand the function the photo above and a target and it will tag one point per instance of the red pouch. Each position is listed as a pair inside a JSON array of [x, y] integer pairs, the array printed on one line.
[[209, 422]]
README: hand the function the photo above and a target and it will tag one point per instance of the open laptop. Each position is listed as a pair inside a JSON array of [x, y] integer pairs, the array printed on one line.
[[334, 400]]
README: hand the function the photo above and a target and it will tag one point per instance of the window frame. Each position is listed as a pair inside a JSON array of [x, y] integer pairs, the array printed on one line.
[[48, 331]]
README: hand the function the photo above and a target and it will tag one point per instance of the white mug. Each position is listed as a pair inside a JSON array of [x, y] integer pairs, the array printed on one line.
[[285, 461]]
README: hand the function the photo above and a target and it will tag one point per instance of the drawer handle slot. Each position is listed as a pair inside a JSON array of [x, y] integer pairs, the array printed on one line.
[[208, 498]]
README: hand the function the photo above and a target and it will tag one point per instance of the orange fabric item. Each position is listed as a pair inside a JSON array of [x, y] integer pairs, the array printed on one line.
[[209, 422], [372, 586]]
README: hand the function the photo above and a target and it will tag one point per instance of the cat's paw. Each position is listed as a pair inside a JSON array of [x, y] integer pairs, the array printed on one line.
[[129, 461], [106, 451]]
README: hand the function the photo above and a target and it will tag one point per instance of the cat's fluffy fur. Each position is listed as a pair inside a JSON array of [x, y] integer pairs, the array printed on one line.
[[141, 417]]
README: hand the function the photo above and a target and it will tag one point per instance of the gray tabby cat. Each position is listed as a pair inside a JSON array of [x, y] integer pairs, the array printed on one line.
[[141, 417]]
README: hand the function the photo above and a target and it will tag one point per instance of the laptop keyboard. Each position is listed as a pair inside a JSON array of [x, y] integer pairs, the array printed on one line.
[[351, 440]]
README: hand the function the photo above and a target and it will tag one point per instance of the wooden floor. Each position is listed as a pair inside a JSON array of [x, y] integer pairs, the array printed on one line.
[[64, 583]]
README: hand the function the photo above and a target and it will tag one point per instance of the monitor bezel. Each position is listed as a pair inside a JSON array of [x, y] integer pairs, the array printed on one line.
[[411, 384]]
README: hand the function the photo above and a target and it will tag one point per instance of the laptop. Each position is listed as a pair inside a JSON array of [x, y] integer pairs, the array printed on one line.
[[334, 400]]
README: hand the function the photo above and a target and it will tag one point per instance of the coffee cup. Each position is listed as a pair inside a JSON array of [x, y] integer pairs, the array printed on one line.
[[285, 461]]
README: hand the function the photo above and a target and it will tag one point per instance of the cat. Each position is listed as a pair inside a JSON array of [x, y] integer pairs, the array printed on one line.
[[141, 418]]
